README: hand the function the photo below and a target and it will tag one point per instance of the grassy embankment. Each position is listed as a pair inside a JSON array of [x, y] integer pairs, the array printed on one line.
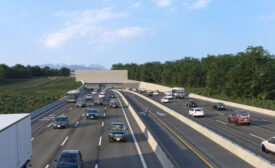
[[267, 104], [27, 95]]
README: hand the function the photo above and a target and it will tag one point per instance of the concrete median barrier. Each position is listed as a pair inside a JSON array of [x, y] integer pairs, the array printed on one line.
[[164, 160], [237, 150], [151, 86]]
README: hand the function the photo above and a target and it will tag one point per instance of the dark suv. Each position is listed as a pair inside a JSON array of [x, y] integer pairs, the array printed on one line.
[[240, 118], [117, 132], [80, 103], [191, 103], [219, 106], [92, 114], [70, 159], [114, 104], [60, 122]]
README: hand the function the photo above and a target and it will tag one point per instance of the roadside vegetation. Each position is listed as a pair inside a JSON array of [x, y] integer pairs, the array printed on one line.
[[246, 77], [27, 95]]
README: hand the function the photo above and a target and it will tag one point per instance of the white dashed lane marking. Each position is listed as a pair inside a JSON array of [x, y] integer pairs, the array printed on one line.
[[64, 140], [100, 139], [256, 136], [221, 122]]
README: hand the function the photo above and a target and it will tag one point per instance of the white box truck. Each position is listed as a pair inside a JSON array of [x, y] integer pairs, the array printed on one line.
[[15, 140]]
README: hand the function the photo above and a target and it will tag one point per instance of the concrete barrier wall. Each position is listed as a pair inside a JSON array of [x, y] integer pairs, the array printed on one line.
[[151, 86], [247, 156], [165, 162]]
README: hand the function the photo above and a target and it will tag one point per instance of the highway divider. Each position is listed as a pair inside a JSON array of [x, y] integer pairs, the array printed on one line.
[[246, 155], [151, 86], [164, 160]]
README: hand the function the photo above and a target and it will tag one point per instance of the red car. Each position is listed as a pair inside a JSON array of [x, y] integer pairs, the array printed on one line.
[[240, 118]]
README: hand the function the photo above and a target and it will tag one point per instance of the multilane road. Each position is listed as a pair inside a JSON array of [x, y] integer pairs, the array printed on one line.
[[91, 138], [185, 146]]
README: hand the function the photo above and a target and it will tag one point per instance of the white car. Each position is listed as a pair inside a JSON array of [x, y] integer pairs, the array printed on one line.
[[156, 92], [196, 112], [101, 95], [168, 95], [268, 145], [94, 92], [88, 97], [164, 100]]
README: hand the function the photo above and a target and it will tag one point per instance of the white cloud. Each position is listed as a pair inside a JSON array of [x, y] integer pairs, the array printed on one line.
[[268, 17], [198, 4], [136, 5], [163, 3], [124, 33], [89, 23]]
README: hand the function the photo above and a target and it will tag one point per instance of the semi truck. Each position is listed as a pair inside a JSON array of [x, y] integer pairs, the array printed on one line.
[[15, 140]]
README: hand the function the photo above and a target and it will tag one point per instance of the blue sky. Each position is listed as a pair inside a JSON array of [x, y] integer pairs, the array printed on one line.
[[105, 32]]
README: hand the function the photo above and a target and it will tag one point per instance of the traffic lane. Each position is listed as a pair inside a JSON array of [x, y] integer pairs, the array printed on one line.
[[45, 144], [207, 148], [175, 149], [247, 136], [117, 154], [39, 125], [147, 152], [85, 137]]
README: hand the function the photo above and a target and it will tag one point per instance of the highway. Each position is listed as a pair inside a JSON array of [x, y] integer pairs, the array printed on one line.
[[262, 126], [184, 145], [91, 138]]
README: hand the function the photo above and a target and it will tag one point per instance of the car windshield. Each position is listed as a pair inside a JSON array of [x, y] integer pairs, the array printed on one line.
[[92, 111], [68, 160], [244, 114], [60, 119], [117, 127]]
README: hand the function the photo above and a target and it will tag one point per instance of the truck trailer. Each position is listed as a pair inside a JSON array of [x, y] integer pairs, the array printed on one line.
[[15, 140]]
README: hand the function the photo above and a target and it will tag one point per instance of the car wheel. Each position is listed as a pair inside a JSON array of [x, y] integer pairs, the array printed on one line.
[[248, 123], [229, 120]]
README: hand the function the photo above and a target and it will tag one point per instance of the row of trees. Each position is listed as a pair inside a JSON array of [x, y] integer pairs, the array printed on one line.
[[249, 74], [19, 71]]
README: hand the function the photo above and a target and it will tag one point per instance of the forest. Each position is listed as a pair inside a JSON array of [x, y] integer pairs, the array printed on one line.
[[19, 71], [246, 77]]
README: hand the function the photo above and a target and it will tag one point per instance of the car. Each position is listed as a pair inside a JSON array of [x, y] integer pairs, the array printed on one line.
[[61, 122], [92, 114], [135, 89], [117, 132], [156, 92], [101, 95], [180, 95], [168, 95], [70, 159], [196, 112], [88, 96], [149, 93], [98, 101], [219, 106], [240, 118], [114, 104], [164, 100], [80, 103], [268, 145], [112, 95], [94, 92], [191, 103]]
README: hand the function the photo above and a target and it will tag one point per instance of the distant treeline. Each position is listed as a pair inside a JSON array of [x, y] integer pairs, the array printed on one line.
[[249, 74], [19, 71]]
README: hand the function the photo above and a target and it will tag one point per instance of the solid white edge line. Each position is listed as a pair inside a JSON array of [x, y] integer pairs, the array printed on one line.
[[256, 136], [221, 122], [47, 166], [50, 125], [96, 165], [100, 139], [133, 136], [76, 123], [64, 140], [102, 124], [83, 114]]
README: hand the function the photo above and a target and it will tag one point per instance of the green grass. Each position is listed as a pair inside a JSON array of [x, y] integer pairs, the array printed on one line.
[[267, 104], [27, 95]]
